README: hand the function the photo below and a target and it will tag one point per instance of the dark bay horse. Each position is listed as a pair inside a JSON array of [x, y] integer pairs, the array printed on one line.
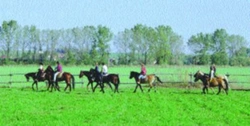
[[90, 78], [65, 76], [100, 80], [221, 82], [35, 78], [150, 79]]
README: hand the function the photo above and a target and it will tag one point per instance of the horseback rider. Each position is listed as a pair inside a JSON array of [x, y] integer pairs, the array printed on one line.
[[40, 73], [212, 71], [58, 70], [104, 70], [98, 74], [142, 73]]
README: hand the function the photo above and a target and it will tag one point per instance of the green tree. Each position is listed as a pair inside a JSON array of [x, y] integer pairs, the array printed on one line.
[[141, 44], [219, 46], [123, 42], [162, 46], [103, 37], [237, 50], [200, 44], [8, 34]]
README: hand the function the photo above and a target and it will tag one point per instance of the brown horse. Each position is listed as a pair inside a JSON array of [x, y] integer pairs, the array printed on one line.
[[100, 80], [221, 82], [65, 76], [35, 78], [90, 78], [151, 79]]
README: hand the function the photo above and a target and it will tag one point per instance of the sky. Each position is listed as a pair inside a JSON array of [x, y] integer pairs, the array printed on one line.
[[185, 17]]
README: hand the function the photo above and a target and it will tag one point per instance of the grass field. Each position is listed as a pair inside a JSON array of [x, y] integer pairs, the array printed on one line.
[[168, 106]]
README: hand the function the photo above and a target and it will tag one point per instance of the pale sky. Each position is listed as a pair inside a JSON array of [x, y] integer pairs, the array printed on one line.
[[186, 17]]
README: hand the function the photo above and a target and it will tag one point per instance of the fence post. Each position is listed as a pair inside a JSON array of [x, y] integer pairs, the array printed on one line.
[[10, 82], [82, 82], [191, 79]]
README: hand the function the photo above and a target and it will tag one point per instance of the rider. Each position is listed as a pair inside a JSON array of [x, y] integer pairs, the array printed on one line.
[[142, 73], [58, 70], [104, 69], [40, 70], [98, 74], [212, 71]]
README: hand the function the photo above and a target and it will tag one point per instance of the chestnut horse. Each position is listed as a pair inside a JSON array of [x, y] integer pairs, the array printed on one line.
[[65, 76], [151, 79], [221, 82], [35, 78]]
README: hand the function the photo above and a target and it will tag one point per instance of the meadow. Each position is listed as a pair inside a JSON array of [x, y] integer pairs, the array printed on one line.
[[169, 105]]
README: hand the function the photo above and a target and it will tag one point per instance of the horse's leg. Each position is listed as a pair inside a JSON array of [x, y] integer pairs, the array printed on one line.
[[212, 90], [154, 86], [102, 87], [149, 89], [110, 86], [136, 87], [69, 84], [36, 86], [57, 86], [226, 91], [88, 86], [92, 88], [140, 87], [95, 87], [150, 86], [33, 85], [116, 88], [206, 89], [66, 86], [51, 86], [219, 89]]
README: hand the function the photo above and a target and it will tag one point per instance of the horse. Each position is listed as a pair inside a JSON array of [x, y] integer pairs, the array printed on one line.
[[35, 78], [90, 78], [151, 79], [64, 76], [110, 78], [221, 82]]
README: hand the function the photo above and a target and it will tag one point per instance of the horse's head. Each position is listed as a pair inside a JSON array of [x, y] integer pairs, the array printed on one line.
[[27, 77], [81, 74], [198, 75], [49, 69], [133, 74]]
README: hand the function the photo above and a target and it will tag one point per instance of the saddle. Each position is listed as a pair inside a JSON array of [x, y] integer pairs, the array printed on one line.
[[60, 75], [144, 78]]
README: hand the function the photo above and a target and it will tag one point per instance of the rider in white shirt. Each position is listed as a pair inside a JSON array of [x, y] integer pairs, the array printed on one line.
[[104, 69]]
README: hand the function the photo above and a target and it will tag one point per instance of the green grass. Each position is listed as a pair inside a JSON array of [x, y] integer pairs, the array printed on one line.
[[167, 106], [20, 105]]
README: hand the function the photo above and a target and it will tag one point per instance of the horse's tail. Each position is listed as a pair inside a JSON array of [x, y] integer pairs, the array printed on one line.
[[118, 79], [226, 82], [158, 79], [73, 81]]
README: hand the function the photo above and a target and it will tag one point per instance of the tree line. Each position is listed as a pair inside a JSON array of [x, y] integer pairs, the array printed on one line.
[[90, 44]]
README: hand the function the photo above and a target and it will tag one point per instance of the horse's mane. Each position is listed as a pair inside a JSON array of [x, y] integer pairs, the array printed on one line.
[[49, 68]]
